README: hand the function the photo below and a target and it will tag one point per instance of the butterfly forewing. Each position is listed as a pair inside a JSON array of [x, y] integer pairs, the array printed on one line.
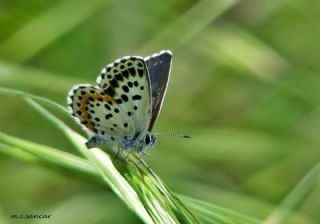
[[127, 80], [159, 66]]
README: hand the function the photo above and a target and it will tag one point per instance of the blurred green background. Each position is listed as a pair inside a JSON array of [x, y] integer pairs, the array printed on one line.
[[245, 84]]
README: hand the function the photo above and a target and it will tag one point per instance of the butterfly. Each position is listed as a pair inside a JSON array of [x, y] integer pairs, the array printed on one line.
[[126, 102]]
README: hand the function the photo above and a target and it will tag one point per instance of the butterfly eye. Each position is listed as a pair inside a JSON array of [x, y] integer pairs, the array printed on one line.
[[150, 140], [147, 139]]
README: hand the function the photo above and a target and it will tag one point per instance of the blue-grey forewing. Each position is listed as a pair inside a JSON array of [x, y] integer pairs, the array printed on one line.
[[159, 66]]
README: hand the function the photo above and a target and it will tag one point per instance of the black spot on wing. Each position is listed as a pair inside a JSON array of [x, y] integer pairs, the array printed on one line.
[[110, 91], [125, 74], [108, 116], [136, 97], [107, 107], [132, 71], [118, 101], [125, 88], [114, 83], [124, 98], [119, 77], [140, 72]]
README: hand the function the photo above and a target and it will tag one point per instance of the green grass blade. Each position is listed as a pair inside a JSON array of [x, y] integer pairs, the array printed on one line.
[[214, 212], [22, 94], [14, 74], [295, 197], [48, 154], [208, 213], [18, 153], [190, 24], [102, 162], [133, 182], [237, 48], [48, 27]]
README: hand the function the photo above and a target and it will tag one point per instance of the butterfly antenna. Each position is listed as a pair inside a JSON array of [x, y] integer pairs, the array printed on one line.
[[171, 134]]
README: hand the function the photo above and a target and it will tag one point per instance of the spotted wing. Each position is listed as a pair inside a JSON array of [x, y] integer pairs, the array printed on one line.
[[120, 106], [127, 81], [159, 66], [99, 113]]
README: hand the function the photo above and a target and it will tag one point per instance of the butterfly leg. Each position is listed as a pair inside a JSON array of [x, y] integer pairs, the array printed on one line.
[[118, 152], [92, 142], [96, 141], [126, 157], [141, 153]]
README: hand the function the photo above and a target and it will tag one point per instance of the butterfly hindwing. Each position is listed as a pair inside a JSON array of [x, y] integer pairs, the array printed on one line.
[[120, 106], [159, 66], [98, 112]]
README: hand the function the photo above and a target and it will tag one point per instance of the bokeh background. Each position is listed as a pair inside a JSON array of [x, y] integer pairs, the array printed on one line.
[[245, 84]]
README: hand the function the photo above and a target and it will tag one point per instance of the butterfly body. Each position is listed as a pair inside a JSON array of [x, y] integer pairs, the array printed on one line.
[[149, 140], [124, 105]]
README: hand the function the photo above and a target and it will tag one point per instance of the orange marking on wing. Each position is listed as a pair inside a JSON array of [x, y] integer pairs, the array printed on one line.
[[84, 104]]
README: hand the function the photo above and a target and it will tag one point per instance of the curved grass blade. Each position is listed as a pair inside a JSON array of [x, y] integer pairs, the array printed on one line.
[[14, 92], [162, 205], [295, 197], [133, 181]]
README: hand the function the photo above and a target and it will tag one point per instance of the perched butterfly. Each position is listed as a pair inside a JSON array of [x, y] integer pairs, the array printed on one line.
[[125, 104]]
